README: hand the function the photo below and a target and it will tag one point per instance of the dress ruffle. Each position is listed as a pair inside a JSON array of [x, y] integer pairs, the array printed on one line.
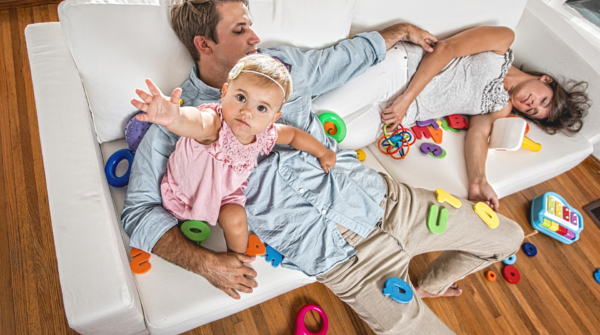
[[495, 97], [229, 150]]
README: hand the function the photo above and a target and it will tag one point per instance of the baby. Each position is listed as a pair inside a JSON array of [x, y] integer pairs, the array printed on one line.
[[207, 173]]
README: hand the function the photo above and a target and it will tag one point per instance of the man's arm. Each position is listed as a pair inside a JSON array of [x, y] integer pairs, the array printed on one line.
[[407, 32], [152, 229], [476, 149]]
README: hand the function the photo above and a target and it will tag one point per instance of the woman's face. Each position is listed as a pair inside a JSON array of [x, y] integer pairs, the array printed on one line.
[[533, 97]]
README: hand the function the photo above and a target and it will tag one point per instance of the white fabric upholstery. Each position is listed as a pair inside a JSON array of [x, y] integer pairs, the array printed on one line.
[[113, 63], [441, 18], [99, 293], [546, 42], [115, 44]]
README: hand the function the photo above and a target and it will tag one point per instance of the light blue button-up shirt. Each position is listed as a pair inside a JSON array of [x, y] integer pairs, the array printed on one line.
[[292, 205]]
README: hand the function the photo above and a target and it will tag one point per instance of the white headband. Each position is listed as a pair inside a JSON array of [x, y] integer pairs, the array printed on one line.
[[239, 68]]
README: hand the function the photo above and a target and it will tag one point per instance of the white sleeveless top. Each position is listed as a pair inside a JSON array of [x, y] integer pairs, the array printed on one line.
[[467, 85]]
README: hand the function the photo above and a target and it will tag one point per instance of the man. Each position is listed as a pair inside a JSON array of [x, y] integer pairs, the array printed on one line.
[[322, 224]]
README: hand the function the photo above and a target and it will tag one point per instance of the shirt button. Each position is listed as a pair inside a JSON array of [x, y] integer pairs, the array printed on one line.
[[280, 164], [324, 212], [301, 190]]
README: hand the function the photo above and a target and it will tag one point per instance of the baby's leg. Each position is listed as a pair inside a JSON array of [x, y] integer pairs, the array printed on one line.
[[233, 221]]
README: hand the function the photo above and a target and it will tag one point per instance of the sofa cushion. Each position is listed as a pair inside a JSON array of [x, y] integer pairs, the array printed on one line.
[[116, 44], [507, 172], [176, 300], [441, 17]]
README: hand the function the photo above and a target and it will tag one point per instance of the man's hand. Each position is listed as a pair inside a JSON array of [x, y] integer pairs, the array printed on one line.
[[408, 32], [159, 109], [328, 160], [484, 192], [227, 272]]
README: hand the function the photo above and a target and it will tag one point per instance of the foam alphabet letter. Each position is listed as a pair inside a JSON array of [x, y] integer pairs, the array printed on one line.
[[398, 289], [457, 121], [197, 231], [426, 123], [443, 196], [436, 134], [436, 150], [487, 215], [255, 246], [421, 131], [273, 255], [139, 264]]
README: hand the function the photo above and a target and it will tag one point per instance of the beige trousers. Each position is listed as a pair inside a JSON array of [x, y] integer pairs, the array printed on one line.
[[468, 246]]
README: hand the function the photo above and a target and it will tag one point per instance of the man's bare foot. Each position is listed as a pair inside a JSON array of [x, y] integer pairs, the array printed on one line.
[[452, 291]]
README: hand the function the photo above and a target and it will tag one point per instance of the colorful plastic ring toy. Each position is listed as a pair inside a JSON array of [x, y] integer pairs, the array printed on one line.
[[490, 275], [510, 260], [338, 122], [529, 249], [398, 289], [197, 231], [111, 168], [511, 274], [597, 276], [301, 327]]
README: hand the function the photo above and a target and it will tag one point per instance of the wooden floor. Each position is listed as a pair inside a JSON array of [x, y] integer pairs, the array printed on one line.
[[557, 294]]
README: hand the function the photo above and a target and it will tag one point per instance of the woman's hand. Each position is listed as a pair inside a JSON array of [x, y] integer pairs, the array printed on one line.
[[393, 115], [159, 109], [484, 192], [328, 160]]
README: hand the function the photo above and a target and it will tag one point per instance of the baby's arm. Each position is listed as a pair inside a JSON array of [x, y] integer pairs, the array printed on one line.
[[185, 121], [302, 140]]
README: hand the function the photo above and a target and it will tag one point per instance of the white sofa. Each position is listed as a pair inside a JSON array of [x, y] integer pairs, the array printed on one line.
[[85, 70]]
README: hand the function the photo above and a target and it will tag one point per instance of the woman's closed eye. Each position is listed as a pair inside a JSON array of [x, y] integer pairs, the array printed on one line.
[[241, 98]]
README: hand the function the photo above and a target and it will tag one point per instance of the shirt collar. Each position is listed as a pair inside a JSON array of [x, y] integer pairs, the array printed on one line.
[[201, 86]]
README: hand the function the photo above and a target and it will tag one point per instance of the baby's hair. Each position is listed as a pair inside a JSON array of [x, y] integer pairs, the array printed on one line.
[[269, 71], [570, 104]]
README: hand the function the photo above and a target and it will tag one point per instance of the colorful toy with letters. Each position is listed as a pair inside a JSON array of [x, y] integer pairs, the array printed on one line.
[[552, 215]]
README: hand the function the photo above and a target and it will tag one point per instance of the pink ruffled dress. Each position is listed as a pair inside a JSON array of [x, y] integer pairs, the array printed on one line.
[[202, 178]]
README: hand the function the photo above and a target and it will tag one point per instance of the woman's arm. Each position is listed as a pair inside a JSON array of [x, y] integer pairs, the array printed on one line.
[[468, 42], [476, 149], [185, 121], [302, 140]]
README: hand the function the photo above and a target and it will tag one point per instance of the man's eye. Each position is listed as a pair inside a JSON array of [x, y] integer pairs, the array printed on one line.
[[241, 98], [262, 108]]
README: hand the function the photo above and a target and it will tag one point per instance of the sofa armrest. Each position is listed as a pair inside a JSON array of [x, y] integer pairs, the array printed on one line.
[[99, 291]]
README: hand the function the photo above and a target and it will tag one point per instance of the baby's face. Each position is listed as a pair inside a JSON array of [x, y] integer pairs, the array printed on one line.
[[249, 108]]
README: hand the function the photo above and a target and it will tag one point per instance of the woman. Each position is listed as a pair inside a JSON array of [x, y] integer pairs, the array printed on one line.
[[468, 73]]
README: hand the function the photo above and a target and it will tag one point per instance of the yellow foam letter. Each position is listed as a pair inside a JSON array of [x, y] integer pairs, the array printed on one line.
[[443, 196], [487, 215]]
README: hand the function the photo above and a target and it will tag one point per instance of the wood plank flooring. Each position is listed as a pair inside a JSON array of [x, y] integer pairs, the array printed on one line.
[[557, 294]]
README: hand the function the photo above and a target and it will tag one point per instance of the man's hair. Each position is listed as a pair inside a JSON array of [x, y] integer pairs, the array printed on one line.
[[191, 18], [270, 68], [568, 107]]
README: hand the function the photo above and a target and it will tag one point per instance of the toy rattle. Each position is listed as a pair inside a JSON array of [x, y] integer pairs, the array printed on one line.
[[334, 126], [111, 168], [301, 327], [508, 134], [392, 143]]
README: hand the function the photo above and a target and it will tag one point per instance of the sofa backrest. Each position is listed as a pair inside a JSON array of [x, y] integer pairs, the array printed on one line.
[[116, 44]]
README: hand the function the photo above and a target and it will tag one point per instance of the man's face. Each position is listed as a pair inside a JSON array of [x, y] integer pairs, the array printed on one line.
[[236, 38]]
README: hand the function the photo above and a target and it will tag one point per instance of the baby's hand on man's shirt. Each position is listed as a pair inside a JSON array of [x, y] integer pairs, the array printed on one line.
[[159, 109], [328, 160]]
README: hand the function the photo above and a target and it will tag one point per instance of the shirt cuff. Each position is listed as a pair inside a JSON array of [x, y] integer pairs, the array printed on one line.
[[149, 230], [377, 42]]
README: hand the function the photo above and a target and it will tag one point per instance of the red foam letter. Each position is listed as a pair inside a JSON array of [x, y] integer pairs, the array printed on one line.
[[420, 131]]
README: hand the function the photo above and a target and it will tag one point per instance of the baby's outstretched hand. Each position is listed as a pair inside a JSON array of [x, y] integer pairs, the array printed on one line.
[[159, 109], [327, 161]]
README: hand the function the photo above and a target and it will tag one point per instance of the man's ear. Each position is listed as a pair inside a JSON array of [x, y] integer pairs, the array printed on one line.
[[203, 45], [276, 117], [546, 79], [225, 86]]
